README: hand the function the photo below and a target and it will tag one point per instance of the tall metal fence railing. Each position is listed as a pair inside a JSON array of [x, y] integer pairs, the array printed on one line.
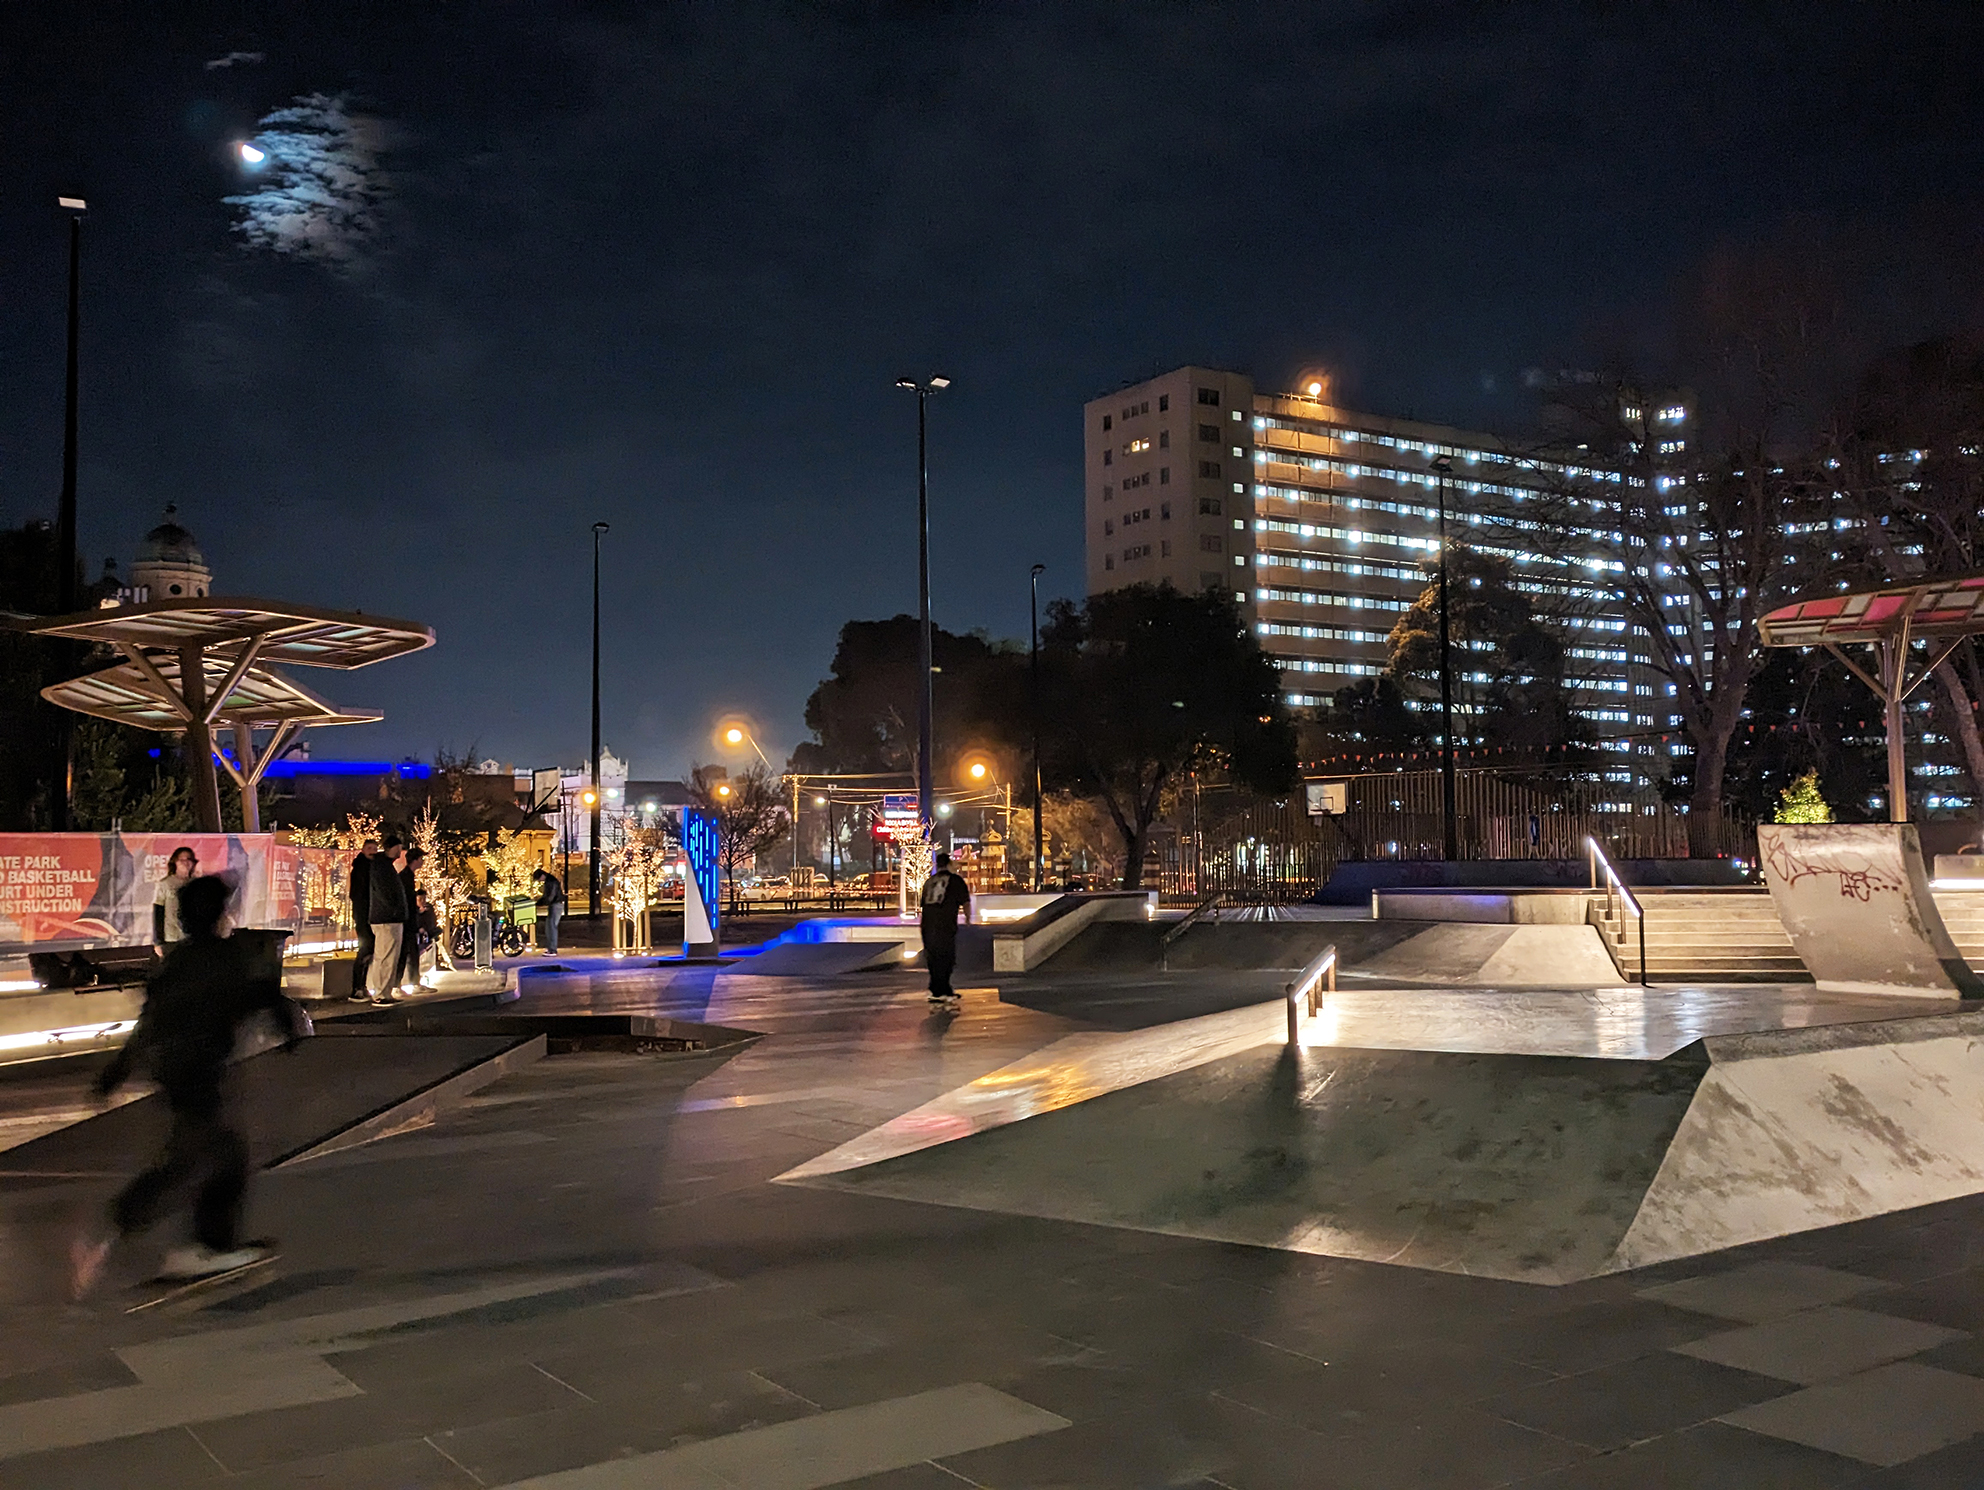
[[1224, 841]]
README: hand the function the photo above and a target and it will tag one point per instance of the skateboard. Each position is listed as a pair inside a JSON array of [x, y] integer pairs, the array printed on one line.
[[172, 1290]]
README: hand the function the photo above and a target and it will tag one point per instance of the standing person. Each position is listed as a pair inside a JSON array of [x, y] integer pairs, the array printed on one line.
[[550, 906], [944, 896], [179, 870], [409, 979], [361, 914], [388, 910], [195, 1004]]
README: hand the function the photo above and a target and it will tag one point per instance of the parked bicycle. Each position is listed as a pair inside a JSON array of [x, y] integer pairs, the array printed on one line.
[[508, 933]]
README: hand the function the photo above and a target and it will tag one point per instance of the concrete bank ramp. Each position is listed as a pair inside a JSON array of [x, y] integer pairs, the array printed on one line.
[[335, 1091], [1541, 1168], [1495, 956], [826, 959]]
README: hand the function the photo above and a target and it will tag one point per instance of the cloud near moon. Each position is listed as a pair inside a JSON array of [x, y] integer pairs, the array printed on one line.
[[322, 182]]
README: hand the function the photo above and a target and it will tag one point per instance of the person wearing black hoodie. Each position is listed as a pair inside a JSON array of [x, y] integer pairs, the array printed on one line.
[[208, 987], [361, 913], [388, 912]]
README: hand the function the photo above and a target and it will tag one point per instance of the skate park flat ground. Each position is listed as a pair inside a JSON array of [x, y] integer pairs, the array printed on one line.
[[588, 1271]]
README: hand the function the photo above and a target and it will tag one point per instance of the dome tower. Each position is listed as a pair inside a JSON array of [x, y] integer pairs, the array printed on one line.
[[170, 565]]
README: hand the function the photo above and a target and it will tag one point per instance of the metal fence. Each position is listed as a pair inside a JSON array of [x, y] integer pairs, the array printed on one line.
[[1224, 841]]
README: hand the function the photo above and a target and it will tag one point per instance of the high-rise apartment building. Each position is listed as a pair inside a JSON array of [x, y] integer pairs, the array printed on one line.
[[1322, 522]]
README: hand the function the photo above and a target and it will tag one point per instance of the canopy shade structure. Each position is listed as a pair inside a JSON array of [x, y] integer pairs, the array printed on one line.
[[151, 695], [194, 663], [298, 634], [1939, 613]]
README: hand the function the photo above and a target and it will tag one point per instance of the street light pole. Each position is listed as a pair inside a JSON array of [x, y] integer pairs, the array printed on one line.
[[598, 790], [926, 786], [1033, 672], [65, 516], [1444, 467]]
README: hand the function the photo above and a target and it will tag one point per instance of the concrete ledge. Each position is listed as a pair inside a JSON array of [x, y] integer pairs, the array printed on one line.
[[1031, 942], [1539, 907]]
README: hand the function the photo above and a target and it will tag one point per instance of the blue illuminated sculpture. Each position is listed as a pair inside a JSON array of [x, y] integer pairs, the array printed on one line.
[[701, 885]]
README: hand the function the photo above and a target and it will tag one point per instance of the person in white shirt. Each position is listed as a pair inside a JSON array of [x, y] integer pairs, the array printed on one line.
[[179, 871]]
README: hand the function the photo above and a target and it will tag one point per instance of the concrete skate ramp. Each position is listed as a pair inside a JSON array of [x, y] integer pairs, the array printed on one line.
[[1543, 1168], [1855, 900], [825, 959], [1123, 946], [1499, 956], [350, 1086]]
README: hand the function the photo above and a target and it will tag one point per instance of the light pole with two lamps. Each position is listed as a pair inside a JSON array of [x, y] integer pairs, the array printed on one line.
[[1443, 466], [926, 792], [598, 790], [1033, 678]]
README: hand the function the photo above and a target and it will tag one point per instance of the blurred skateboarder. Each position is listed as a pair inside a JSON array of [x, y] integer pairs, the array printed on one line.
[[195, 1005], [945, 896]]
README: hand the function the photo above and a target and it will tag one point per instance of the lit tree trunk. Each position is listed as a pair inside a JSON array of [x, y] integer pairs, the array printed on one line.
[[1705, 798]]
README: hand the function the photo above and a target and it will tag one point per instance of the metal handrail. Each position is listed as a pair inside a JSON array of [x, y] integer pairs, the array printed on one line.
[[1185, 923], [1321, 969], [1616, 893]]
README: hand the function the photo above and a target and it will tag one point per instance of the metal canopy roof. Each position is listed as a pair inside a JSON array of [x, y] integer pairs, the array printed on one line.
[[289, 633], [1945, 609], [128, 694]]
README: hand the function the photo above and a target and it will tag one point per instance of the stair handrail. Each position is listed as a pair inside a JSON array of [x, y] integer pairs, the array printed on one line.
[[1616, 893], [1303, 994], [1185, 923]]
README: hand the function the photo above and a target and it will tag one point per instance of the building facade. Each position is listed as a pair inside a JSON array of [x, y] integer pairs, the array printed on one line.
[[1322, 522]]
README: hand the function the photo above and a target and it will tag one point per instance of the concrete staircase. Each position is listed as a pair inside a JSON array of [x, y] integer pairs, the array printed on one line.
[[1704, 936], [1963, 913]]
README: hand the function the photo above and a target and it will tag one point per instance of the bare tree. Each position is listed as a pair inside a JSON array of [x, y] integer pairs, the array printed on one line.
[[749, 813]]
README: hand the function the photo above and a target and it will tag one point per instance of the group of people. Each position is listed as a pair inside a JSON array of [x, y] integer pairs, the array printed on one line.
[[399, 933]]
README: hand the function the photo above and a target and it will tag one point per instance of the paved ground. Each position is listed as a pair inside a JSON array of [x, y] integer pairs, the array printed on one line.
[[585, 1280]]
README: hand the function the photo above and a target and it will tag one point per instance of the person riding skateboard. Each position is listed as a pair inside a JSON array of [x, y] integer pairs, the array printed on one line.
[[195, 1004], [945, 896]]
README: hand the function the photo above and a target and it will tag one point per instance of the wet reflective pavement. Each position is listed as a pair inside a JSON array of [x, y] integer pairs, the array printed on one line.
[[587, 1272]]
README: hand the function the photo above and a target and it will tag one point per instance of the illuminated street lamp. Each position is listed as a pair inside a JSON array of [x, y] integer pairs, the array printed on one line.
[[1443, 466], [925, 784], [592, 863], [1033, 680], [65, 513]]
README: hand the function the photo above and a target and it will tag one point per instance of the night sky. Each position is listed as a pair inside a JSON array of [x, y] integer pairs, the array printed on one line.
[[661, 265]]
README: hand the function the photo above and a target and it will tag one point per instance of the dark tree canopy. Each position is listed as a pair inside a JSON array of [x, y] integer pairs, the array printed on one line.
[[863, 716], [1143, 684]]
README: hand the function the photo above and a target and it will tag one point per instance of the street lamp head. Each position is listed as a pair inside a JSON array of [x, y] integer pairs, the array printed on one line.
[[819, 801], [591, 798], [1037, 570], [906, 383], [978, 770], [940, 382], [601, 527], [723, 791], [943, 809], [74, 204], [734, 735]]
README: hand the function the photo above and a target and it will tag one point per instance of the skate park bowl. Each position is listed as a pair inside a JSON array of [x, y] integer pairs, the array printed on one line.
[[1537, 1135]]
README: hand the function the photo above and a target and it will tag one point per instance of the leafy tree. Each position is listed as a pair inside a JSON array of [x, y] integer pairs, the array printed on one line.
[[1802, 802], [1142, 684], [1370, 715], [749, 810], [863, 715], [1509, 687]]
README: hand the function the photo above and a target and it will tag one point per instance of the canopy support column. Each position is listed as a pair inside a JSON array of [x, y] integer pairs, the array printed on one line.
[[205, 785]]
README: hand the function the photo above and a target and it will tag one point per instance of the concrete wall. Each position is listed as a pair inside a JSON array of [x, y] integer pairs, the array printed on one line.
[[1498, 907]]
